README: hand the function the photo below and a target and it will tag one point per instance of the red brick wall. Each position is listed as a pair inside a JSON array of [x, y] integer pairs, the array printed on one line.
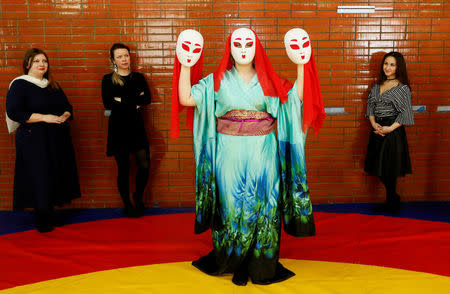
[[78, 33]]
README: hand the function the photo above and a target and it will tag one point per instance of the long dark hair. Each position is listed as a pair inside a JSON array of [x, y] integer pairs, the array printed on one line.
[[116, 79], [28, 59], [400, 74]]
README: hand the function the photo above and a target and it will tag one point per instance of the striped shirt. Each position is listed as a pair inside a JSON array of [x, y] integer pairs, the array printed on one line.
[[393, 102]]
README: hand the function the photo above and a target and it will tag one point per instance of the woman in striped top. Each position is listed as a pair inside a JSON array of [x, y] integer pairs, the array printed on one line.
[[389, 109]]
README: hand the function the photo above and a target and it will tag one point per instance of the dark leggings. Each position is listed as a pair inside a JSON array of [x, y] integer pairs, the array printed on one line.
[[143, 168], [390, 184]]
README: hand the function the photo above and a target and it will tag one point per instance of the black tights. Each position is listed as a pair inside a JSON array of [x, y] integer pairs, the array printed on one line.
[[392, 198], [390, 183], [143, 169]]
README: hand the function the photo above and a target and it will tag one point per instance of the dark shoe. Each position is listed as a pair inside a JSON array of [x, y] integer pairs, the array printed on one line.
[[44, 228], [140, 208], [393, 203], [44, 222], [130, 211], [240, 277]]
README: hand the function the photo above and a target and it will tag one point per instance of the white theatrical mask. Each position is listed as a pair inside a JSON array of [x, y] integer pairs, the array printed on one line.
[[243, 46], [298, 46], [189, 47]]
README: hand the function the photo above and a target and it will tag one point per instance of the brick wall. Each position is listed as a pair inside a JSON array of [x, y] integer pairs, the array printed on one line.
[[78, 33]]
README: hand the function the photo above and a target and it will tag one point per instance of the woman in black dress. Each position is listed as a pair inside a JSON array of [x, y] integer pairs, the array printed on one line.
[[45, 171], [389, 109], [124, 92]]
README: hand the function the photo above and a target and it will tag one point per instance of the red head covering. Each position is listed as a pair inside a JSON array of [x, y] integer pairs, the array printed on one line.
[[313, 111], [196, 75], [271, 83]]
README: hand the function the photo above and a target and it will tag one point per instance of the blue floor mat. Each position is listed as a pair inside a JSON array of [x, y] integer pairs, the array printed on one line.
[[11, 222]]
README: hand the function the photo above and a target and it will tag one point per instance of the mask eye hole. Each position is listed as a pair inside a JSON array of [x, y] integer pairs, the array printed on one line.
[[197, 50], [185, 47], [237, 44], [294, 46], [306, 44], [249, 45]]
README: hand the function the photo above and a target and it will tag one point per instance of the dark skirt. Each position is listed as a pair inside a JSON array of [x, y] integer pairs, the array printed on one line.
[[46, 172], [126, 132], [388, 155]]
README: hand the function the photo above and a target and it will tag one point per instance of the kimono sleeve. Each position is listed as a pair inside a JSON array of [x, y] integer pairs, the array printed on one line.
[[204, 133], [296, 204]]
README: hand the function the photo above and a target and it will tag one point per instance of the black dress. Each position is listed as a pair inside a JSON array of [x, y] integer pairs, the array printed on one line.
[[388, 155], [45, 172], [126, 131]]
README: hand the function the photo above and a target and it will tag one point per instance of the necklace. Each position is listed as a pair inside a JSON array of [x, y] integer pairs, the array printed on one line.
[[390, 79]]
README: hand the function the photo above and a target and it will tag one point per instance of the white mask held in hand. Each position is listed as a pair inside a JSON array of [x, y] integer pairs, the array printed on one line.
[[189, 47], [298, 46], [243, 46]]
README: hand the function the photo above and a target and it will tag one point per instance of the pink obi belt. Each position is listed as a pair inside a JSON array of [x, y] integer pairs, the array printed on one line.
[[245, 123]]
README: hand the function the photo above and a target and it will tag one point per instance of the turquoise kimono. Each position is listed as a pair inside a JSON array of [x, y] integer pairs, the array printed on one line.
[[247, 185]]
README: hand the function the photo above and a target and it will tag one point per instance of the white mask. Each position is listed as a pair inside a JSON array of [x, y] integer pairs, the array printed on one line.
[[298, 46], [243, 46], [189, 47]]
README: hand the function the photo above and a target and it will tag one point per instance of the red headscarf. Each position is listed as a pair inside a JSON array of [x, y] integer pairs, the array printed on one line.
[[313, 111], [271, 83], [196, 75]]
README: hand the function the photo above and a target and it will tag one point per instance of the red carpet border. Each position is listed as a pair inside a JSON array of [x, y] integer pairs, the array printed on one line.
[[30, 257]]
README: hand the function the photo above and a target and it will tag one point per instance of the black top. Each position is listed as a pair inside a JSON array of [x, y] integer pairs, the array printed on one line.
[[126, 132], [25, 98], [45, 170]]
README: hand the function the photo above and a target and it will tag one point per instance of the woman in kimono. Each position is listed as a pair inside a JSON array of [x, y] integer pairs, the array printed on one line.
[[248, 180], [45, 172], [389, 110]]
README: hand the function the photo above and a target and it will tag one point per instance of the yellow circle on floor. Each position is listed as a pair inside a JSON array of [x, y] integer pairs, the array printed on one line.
[[312, 277]]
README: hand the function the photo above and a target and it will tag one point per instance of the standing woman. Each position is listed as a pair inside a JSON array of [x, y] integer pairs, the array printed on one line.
[[249, 155], [389, 109], [45, 171], [124, 92]]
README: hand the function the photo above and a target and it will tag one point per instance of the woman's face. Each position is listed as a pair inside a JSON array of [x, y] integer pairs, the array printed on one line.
[[390, 67], [122, 58], [38, 66]]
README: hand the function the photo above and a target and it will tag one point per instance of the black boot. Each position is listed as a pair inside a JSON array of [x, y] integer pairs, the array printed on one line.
[[43, 221], [138, 201]]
